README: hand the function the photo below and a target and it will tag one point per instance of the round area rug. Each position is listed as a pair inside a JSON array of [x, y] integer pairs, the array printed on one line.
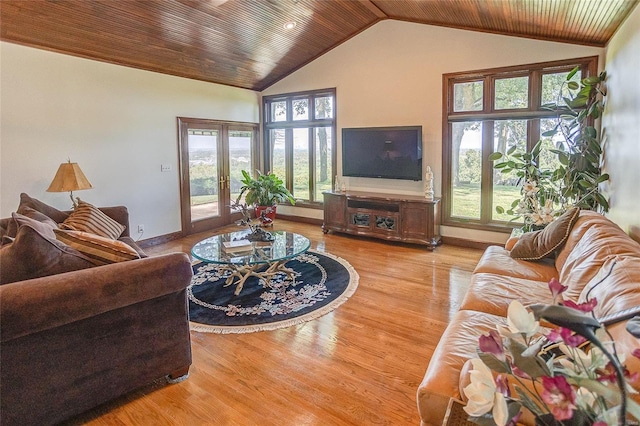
[[322, 283]]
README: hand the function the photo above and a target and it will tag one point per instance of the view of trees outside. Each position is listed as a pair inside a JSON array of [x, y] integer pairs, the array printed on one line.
[[466, 141], [308, 143], [203, 164]]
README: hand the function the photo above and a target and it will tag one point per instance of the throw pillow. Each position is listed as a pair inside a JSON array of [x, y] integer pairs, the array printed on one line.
[[539, 244], [99, 249], [26, 212], [33, 255], [56, 215], [44, 227], [88, 218]]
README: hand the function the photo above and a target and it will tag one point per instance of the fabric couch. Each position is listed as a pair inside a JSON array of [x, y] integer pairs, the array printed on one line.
[[597, 260], [70, 341]]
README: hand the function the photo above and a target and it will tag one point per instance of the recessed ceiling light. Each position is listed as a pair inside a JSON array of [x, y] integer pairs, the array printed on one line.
[[290, 25]]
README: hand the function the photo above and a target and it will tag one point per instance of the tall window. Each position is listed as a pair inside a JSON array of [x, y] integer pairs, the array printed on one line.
[[300, 138], [494, 110]]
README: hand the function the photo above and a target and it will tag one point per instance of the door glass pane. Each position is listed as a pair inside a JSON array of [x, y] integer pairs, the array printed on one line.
[[553, 85], [466, 169], [506, 186], [512, 93], [323, 170], [240, 142], [301, 109], [324, 107], [301, 164], [468, 96], [203, 173], [278, 160]]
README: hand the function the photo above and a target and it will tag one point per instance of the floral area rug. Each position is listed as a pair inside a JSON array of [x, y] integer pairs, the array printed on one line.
[[322, 283]]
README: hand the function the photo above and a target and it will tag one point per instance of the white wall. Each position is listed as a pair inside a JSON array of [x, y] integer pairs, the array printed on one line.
[[621, 124], [118, 123], [391, 75]]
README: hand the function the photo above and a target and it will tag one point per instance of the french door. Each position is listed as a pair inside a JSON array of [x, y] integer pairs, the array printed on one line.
[[212, 156]]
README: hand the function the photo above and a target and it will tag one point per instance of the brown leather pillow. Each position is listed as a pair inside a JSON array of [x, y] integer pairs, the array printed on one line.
[[539, 244]]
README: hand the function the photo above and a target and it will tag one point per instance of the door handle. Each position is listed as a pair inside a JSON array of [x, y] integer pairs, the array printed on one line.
[[222, 178], [228, 182]]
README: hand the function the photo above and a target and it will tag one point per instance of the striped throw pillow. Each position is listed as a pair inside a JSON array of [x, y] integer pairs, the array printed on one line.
[[99, 249], [88, 218]]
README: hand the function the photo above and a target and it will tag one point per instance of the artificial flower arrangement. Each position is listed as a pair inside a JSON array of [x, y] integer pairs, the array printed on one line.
[[569, 385]]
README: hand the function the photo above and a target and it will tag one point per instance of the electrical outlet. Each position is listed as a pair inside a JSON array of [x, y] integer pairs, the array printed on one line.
[[140, 229]]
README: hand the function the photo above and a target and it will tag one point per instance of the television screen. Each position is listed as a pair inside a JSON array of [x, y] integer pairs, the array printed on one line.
[[382, 152]]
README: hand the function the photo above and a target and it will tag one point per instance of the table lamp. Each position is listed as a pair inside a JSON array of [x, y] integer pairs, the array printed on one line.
[[69, 177]]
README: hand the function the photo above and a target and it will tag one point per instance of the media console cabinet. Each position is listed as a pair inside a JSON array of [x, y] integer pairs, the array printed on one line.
[[406, 218]]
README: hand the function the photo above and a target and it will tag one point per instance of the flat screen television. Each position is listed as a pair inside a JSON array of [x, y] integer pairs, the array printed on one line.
[[382, 152]]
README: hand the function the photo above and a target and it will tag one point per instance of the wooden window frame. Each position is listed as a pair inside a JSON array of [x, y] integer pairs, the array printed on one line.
[[488, 115], [310, 124]]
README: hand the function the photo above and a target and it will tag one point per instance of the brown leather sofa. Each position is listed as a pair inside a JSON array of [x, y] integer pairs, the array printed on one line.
[[74, 340], [597, 260]]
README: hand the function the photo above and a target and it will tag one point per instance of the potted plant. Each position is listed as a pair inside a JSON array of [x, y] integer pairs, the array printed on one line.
[[264, 193]]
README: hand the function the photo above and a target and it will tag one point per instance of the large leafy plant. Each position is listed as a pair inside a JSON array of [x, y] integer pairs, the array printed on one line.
[[266, 190], [576, 181], [539, 203], [579, 174]]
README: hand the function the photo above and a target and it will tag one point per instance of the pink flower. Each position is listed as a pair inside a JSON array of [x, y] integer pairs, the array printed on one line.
[[567, 336], [560, 396], [584, 307], [556, 288], [492, 344], [502, 385]]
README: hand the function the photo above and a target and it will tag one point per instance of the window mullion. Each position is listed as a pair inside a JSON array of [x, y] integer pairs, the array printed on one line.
[[486, 184], [312, 164]]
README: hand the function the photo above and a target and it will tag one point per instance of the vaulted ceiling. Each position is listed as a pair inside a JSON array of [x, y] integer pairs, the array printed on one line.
[[244, 43]]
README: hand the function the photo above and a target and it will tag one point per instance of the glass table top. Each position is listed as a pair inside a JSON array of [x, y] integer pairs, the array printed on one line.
[[286, 245]]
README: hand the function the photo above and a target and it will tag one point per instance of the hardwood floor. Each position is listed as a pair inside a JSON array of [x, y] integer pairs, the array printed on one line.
[[359, 365]]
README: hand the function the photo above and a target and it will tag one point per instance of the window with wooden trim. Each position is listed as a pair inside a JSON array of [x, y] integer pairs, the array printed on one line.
[[492, 110], [299, 135]]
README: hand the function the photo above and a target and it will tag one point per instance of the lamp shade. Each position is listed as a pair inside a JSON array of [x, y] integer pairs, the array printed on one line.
[[69, 177]]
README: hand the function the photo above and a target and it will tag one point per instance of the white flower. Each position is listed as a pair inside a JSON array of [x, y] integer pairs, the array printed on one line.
[[530, 188], [519, 321], [482, 396], [585, 399]]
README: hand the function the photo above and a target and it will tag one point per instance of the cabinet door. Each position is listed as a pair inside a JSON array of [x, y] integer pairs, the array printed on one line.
[[335, 211], [415, 220]]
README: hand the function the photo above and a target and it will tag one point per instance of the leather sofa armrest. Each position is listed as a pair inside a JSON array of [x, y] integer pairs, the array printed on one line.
[[44, 303]]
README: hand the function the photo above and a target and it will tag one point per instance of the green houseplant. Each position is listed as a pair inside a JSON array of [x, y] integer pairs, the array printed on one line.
[[547, 193], [264, 192]]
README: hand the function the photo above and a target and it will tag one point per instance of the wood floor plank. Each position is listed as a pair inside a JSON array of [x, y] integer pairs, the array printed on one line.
[[358, 365]]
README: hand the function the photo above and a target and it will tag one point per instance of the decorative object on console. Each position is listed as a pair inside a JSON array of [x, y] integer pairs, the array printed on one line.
[[428, 184], [69, 177], [567, 384]]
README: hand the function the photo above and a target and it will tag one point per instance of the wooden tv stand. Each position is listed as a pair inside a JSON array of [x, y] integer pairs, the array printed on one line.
[[406, 218]]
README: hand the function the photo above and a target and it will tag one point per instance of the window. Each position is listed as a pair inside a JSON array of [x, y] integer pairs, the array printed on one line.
[[300, 142], [494, 110]]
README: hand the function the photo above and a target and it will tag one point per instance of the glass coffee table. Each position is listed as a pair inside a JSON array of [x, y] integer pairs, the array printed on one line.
[[258, 259]]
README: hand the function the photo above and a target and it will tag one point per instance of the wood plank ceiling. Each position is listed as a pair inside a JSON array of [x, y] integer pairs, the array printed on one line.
[[243, 43]]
